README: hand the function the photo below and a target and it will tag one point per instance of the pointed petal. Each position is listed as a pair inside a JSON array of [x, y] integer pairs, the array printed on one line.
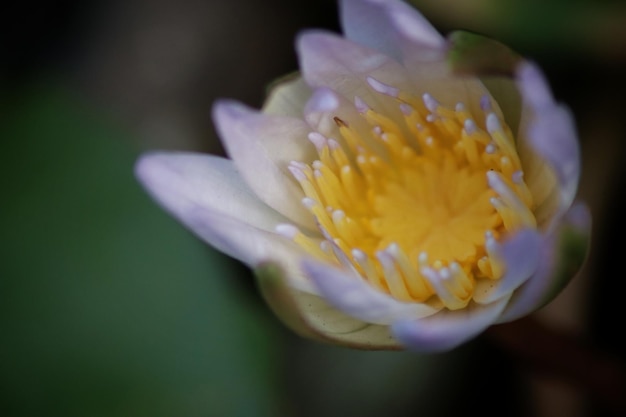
[[261, 147], [328, 60], [248, 244], [550, 130], [562, 255], [383, 25], [207, 195], [350, 293], [521, 256], [183, 182], [447, 329]]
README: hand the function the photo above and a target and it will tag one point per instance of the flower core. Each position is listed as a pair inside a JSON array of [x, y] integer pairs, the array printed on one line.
[[418, 202]]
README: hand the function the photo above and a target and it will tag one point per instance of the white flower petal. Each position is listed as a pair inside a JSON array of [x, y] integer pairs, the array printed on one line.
[[262, 147], [248, 244], [447, 329], [549, 129], [206, 194], [521, 256], [383, 25], [183, 182], [328, 60], [350, 293]]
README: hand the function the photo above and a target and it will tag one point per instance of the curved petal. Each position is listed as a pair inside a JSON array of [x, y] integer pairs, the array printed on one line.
[[311, 316], [262, 147], [550, 130], [351, 294], [447, 329], [521, 256], [562, 255], [248, 244], [208, 196], [382, 25], [328, 60], [183, 182]]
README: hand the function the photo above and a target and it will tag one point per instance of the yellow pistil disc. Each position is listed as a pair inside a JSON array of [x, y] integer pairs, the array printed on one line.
[[416, 205]]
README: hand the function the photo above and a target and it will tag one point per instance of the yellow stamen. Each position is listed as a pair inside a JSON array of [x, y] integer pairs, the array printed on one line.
[[418, 203]]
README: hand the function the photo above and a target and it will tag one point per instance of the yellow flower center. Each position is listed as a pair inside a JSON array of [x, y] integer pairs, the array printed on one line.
[[417, 201]]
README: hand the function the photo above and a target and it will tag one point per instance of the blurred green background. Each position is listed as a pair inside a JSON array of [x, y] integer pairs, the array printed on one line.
[[108, 307]]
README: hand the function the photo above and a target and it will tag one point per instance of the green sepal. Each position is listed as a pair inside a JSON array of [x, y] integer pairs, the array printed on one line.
[[310, 316], [271, 282], [571, 252], [473, 54]]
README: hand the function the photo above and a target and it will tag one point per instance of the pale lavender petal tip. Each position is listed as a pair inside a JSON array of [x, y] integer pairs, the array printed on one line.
[[347, 291], [553, 135], [521, 256], [552, 131], [163, 177], [226, 111], [533, 85], [382, 25], [447, 329]]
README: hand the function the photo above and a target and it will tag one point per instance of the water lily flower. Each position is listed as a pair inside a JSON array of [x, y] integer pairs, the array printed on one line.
[[405, 190]]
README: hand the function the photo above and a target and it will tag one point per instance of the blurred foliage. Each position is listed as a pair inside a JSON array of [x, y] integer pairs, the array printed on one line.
[[569, 28], [107, 306]]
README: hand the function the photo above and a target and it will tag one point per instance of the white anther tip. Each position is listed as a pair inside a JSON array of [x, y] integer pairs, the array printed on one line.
[[287, 230], [430, 102], [318, 140], [460, 107], [360, 105], [517, 177], [422, 258], [338, 215], [359, 255], [297, 173], [493, 123], [406, 109], [393, 249], [444, 273], [382, 88], [470, 126], [308, 202]]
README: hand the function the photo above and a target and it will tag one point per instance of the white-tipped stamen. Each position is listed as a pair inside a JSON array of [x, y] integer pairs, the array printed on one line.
[[318, 140], [493, 123], [470, 126], [287, 230], [382, 87], [360, 105], [430, 102]]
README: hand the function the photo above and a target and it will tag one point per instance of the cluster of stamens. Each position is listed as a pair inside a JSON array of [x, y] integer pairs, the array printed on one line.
[[418, 204]]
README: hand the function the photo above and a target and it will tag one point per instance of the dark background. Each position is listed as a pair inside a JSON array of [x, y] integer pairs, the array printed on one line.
[[108, 307]]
